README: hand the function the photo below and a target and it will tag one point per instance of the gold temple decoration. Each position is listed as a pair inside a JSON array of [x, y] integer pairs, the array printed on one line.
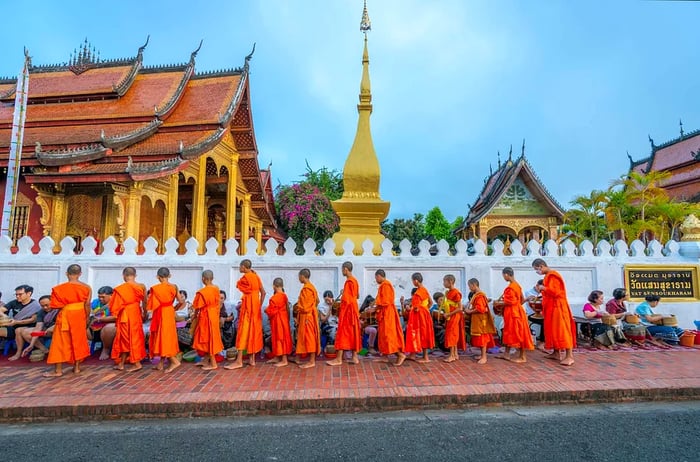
[[361, 209], [690, 229]]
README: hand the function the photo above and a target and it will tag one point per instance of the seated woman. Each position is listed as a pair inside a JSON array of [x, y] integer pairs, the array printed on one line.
[[368, 324], [603, 334], [644, 310]]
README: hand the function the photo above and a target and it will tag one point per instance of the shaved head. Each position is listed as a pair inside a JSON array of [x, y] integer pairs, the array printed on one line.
[[74, 269], [129, 271], [208, 275]]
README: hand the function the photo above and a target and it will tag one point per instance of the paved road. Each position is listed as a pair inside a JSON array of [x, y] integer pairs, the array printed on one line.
[[620, 433]]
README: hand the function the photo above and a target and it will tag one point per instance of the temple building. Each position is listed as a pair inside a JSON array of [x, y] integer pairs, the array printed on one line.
[[513, 204], [681, 158], [117, 148]]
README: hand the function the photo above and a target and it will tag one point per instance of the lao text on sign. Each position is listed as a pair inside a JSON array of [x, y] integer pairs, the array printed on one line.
[[672, 283]]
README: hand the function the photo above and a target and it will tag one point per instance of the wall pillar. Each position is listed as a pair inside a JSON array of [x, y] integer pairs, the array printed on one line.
[[170, 225], [133, 210], [231, 197], [258, 237], [245, 223], [58, 223], [199, 206]]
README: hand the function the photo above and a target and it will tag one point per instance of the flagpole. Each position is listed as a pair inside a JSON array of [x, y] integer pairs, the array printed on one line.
[[16, 142]]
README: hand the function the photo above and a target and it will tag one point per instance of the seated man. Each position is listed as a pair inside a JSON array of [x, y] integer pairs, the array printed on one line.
[[226, 318], [368, 324], [23, 311], [652, 321], [102, 327], [327, 322], [45, 320]]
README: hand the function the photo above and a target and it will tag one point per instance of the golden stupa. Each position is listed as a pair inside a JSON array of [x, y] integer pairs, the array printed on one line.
[[361, 210]]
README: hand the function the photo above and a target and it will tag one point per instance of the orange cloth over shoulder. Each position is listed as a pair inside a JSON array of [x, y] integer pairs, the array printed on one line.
[[389, 334], [516, 330], [69, 341], [207, 334], [278, 313], [559, 323], [308, 333], [420, 334], [454, 328], [126, 306], [163, 339], [250, 331], [348, 336], [482, 326]]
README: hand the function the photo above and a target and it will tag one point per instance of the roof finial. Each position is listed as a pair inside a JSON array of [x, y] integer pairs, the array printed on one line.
[[490, 169], [651, 141], [194, 53], [143, 47], [249, 57], [499, 159], [365, 24], [630, 157], [680, 122], [522, 152]]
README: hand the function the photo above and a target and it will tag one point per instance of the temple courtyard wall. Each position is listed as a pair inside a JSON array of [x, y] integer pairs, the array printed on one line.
[[584, 267]]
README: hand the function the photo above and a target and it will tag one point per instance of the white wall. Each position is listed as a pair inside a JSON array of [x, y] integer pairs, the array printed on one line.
[[582, 269]]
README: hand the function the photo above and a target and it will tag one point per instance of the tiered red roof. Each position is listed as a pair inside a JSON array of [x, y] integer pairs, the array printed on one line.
[[91, 120]]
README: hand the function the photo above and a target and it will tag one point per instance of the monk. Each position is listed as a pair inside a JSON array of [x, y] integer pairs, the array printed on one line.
[[516, 330], [128, 304], [455, 338], [69, 342], [163, 339], [249, 338], [207, 334], [348, 336], [482, 326], [390, 336], [308, 332], [559, 324], [420, 334], [278, 313]]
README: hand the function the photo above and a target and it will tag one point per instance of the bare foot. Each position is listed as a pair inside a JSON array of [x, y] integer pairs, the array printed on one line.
[[233, 366], [274, 360], [353, 361], [76, 369], [209, 368], [52, 374], [307, 365], [252, 362], [482, 360], [104, 355], [338, 361], [372, 351], [449, 359], [159, 366], [518, 360], [173, 365], [554, 355], [136, 367], [118, 367], [401, 358], [503, 356], [411, 357], [567, 362], [281, 364], [15, 356], [423, 360]]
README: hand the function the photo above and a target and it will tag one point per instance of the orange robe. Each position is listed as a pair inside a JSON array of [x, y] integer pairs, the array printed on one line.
[[207, 333], [163, 340], [389, 334], [454, 328], [69, 341], [308, 333], [516, 330], [250, 332], [482, 326], [126, 306], [278, 313], [420, 334], [348, 337], [559, 323]]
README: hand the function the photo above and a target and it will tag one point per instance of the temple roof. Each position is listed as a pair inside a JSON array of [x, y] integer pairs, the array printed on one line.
[[498, 183], [90, 118]]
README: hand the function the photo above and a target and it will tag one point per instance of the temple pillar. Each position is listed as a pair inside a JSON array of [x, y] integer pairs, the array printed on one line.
[[219, 232], [58, 223], [109, 217], [245, 223], [483, 234], [199, 207], [231, 197], [170, 225], [258, 237], [133, 210]]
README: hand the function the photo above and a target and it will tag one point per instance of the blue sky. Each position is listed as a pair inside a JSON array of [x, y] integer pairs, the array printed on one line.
[[453, 81]]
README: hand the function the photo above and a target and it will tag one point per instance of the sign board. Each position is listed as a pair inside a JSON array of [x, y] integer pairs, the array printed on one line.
[[673, 283]]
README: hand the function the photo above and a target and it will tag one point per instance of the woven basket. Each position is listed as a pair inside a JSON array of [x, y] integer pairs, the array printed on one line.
[[36, 356], [609, 319], [632, 319], [670, 321]]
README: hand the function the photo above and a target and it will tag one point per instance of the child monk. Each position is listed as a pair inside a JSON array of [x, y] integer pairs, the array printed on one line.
[[163, 339], [482, 326], [455, 338], [348, 336], [559, 323], [516, 330], [420, 334], [278, 313], [249, 338], [207, 334], [128, 304], [389, 336], [308, 333], [69, 341]]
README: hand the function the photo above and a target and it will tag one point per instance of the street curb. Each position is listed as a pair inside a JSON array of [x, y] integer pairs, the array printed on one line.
[[258, 407]]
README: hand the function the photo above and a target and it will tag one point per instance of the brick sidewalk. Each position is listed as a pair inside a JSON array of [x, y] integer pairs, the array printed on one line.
[[102, 393]]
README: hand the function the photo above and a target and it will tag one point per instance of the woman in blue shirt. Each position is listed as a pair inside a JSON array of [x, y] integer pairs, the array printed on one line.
[[652, 320]]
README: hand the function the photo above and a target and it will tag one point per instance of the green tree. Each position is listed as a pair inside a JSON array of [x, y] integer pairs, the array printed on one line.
[[399, 229], [587, 216], [455, 224], [329, 182], [436, 225]]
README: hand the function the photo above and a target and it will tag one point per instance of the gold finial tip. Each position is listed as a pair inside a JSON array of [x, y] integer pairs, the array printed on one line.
[[365, 24]]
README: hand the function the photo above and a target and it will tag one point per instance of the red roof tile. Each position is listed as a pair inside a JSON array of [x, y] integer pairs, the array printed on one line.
[[676, 154], [51, 137], [62, 83], [204, 101], [165, 143]]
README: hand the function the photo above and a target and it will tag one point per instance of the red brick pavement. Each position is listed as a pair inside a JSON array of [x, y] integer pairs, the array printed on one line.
[[100, 392]]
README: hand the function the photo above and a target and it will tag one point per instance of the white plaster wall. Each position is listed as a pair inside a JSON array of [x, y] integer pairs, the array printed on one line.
[[582, 269]]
